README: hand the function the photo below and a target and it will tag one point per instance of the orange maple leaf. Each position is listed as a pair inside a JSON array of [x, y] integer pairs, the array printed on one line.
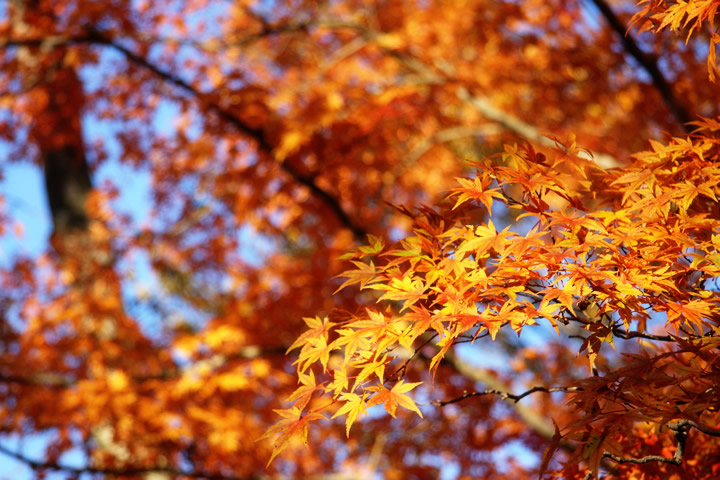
[[394, 397], [295, 424]]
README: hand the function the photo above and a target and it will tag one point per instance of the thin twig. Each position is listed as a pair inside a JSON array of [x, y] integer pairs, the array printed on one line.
[[681, 429], [507, 395]]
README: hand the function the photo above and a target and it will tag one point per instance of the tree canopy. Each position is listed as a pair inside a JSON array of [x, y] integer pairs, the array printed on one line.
[[467, 239]]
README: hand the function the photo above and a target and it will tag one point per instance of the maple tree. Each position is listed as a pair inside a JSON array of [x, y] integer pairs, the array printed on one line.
[[276, 137]]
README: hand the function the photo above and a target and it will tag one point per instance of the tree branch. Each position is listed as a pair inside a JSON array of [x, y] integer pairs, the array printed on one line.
[[680, 435], [648, 63], [683, 424], [628, 335], [506, 395], [538, 423], [681, 429]]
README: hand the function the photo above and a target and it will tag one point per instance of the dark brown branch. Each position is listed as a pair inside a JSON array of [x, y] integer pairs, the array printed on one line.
[[400, 372], [675, 460], [684, 424], [648, 63], [681, 429], [680, 435], [506, 395], [627, 335], [534, 420]]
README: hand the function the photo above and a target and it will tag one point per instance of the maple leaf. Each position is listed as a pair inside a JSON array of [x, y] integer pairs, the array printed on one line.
[[546, 310], [369, 366], [593, 452], [319, 328], [635, 180], [421, 321], [686, 192], [382, 331], [691, 312], [364, 274], [550, 450], [375, 247], [302, 395], [444, 343], [407, 289], [475, 189], [314, 350], [351, 341], [565, 296], [294, 425], [340, 381], [394, 397], [484, 239], [354, 405]]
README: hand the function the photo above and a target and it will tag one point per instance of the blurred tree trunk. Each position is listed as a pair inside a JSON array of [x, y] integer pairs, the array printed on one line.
[[81, 242]]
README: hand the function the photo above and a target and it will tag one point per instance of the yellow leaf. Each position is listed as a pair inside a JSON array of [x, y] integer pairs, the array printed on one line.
[[294, 424], [319, 327], [354, 404]]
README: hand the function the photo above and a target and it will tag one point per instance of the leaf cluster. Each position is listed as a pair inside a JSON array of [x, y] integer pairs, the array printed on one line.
[[621, 254]]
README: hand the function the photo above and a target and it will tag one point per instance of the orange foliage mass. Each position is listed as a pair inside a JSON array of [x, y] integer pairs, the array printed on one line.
[[555, 313]]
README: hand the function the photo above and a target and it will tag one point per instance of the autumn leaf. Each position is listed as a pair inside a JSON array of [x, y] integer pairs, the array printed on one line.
[[364, 274], [550, 450], [369, 364], [354, 405], [314, 350], [304, 393], [394, 397], [483, 240], [319, 328], [407, 289], [477, 190], [294, 425]]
